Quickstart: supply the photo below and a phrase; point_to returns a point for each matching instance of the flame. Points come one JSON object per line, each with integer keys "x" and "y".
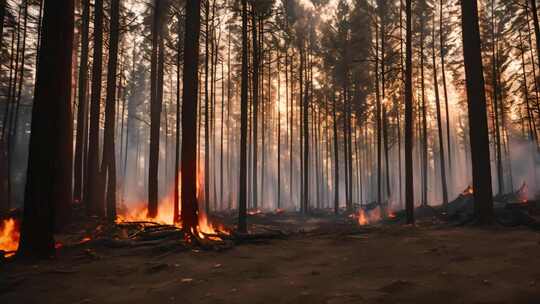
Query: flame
{"x": 205, "y": 229}
{"x": 9, "y": 236}
{"x": 362, "y": 220}
{"x": 468, "y": 191}
{"x": 368, "y": 217}
{"x": 523, "y": 193}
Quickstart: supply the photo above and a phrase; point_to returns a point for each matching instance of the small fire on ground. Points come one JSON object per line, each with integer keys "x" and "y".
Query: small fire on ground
{"x": 165, "y": 215}
{"x": 372, "y": 216}
{"x": 9, "y": 236}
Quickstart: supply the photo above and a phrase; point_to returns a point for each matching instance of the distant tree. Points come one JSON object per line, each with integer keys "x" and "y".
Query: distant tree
{"x": 242, "y": 196}
{"x": 409, "y": 182}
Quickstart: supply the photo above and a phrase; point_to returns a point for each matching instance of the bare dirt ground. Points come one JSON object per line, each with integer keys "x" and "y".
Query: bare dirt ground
{"x": 381, "y": 264}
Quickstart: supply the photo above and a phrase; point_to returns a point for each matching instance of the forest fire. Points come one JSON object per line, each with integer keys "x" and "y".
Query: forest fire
{"x": 368, "y": 217}
{"x": 9, "y": 236}
{"x": 165, "y": 215}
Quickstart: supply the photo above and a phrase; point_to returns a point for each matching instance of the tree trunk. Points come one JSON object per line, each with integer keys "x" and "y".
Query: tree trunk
{"x": 478, "y": 129}
{"x": 156, "y": 103}
{"x": 255, "y": 97}
{"x": 190, "y": 88}
{"x": 93, "y": 200}
{"x": 424, "y": 119}
{"x": 445, "y": 88}
{"x": 439, "y": 123}
{"x": 409, "y": 182}
{"x": 48, "y": 192}
{"x": 81, "y": 111}
{"x": 206, "y": 108}
{"x": 108, "y": 165}
{"x": 242, "y": 214}
{"x": 336, "y": 159}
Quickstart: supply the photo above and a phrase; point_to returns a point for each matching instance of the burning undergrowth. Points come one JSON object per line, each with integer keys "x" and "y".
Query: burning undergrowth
{"x": 372, "y": 214}
{"x": 9, "y": 237}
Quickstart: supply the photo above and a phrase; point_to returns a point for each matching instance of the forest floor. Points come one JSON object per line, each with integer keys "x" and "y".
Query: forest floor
{"x": 322, "y": 260}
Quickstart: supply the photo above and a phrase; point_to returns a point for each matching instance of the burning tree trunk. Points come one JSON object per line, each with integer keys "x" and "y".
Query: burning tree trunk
{"x": 478, "y": 129}
{"x": 189, "y": 117}
{"x": 206, "y": 108}
{"x": 48, "y": 188}
{"x": 156, "y": 103}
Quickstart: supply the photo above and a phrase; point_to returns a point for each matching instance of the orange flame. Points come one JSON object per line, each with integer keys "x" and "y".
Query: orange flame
{"x": 166, "y": 212}
{"x": 468, "y": 191}
{"x": 368, "y": 217}
{"x": 523, "y": 193}
{"x": 9, "y": 236}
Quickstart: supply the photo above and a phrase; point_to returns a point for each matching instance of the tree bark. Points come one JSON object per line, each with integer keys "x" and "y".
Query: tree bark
{"x": 48, "y": 192}
{"x": 409, "y": 182}
{"x": 81, "y": 111}
{"x": 439, "y": 123}
{"x": 93, "y": 200}
{"x": 108, "y": 165}
{"x": 476, "y": 101}
{"x": 190, "y": 87}
{"x": 242, "y": 212}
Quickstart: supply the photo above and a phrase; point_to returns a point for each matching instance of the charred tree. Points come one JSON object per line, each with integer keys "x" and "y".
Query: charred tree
{"x": 156, "y": 104}
{"x": 108, "y": 164}
{"x": 190, "y": 89}
{"x": 476, "y": 102}
{"x": 48, "y": 192}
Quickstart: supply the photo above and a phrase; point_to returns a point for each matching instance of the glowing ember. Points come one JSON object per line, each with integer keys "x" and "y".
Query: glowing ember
{"x": 85, "y": 240}
{"x": 9, "y": 236}
{"x": 468, "y": 191}
{"x": 523, "y": 193}
{"x": 254, "y": 212}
